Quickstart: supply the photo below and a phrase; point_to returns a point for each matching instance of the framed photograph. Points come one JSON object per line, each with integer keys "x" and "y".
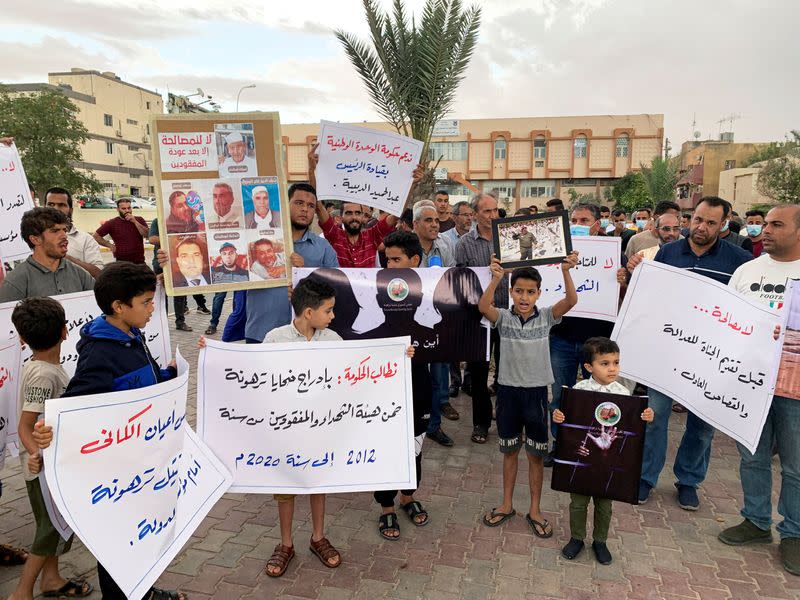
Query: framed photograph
{"x": 532, "y": 240}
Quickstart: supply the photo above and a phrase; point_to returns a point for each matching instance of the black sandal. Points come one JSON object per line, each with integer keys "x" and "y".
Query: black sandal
{"x": 414, "y": 509}
{"x": 388, "y": 522}
{"x": 479, "y": 435}
{"x": 159, "y": 594}
{"x": 74, "y": 588}
{"x": 11, "y": 556}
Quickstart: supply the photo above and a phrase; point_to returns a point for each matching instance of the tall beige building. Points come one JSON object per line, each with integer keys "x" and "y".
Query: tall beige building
{"x": 525, "y": 160}
{"x": 116, "y": 114}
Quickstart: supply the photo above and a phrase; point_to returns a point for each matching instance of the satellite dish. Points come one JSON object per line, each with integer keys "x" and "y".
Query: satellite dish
{"x": 200, "y": 91}
{"x": 697, "y": 135}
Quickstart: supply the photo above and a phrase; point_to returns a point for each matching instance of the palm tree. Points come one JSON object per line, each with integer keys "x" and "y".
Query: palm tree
{"x": 661, "y": 177}
{"x": 412, "y": 71}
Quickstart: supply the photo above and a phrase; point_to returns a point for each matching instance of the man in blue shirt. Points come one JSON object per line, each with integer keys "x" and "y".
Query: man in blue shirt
{"x": 704, "y": 253}
{"x": 270, "y": 308}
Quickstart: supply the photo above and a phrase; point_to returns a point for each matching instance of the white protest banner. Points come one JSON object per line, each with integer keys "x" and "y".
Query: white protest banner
{"x": 15, "y": 199}
{"x": 788, "y": 382}
{"x": 131, "y": 478}
{"x": 595, "y": 278}
{"x": 80, "y": 308}
{"x": 702, "y": 344}
{"x": 187, "y": 152}
{"x": 306, "y": 418}
{"x": 369, "y": 166}
{"x": 56, "y": 518}
{"x": 10, "y": 361}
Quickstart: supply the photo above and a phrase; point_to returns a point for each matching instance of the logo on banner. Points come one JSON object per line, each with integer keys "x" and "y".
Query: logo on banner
{"x": 607, "y": 414}
{"x": 397, "y": 289}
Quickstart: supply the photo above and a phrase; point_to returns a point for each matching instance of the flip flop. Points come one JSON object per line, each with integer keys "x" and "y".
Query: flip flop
{"x": 487, "y": 519}
{"x": 536, "y": 525}
{"x": 74, "y": 588}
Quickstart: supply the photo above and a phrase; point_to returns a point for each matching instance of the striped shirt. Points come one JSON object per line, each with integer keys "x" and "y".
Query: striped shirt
{"x": 525, "y": 347}
{"x": 717, "y": 263}
{"x": 472, "y": 250}
{"x": 360, "y": 255}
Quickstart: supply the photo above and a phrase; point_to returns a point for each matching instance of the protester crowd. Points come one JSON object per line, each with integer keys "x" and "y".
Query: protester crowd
{"x": 535, "y": 350}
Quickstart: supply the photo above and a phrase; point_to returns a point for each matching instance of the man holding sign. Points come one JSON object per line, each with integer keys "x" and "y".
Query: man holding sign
{"x": 705, "y": 254}
{"x": 766, "y": 279}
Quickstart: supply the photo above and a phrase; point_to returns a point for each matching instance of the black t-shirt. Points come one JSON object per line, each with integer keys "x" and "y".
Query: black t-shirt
{"x": 445, "y": 225}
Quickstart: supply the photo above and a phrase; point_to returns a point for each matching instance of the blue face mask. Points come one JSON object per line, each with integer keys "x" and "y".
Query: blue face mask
{"x": 754, "y": 230}
{"x": 725, "y": 227}
{"x": 604, "y": 223}
{"x": 641, "y": 223}
{"x": 578, "y": 230}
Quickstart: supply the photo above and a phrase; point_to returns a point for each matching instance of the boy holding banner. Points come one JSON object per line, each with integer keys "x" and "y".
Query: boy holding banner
{"x": 41, "y": 323}
{"x": 113, "y": 356}
{"x": 524, "y": 374}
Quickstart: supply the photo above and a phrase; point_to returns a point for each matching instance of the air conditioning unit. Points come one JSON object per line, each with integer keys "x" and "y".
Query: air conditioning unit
{"x": 119, "y": 133}
{"x": 120, "y": 162}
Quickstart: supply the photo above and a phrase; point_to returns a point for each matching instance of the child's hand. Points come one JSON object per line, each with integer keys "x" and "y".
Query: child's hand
{"x": 776, "y": 333}
{"x": 410, "y": 351}
{"x": 42, "y": 434}
{"x": 558, "y": 416}
{"x": 497, "y": 269}
{"x": 201, "y": 342}
{"x": 34, "y": 463}
{"x": 648, "y": 415}
{"x": 570, "y": 261}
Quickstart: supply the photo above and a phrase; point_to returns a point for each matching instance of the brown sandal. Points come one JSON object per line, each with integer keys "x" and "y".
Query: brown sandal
{"x": 11, "y": 556}
{"x": 325, "y": 551}
{"x": 280, "y": 558}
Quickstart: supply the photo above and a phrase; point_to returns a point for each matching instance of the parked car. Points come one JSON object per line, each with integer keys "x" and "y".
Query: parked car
{"x": 98, "y": 202}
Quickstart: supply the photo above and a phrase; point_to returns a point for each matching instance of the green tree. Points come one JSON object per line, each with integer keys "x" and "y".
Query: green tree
{"x": 660, "y": 178}
{"x": 630, "y": 192}
{"x": 48, "y": 134}
{"x": 775, "y": 149}
{"x": 779, "y": 179}
{"x": 412, "y": 69}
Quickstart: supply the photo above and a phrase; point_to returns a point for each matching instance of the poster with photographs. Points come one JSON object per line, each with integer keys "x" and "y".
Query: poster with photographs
{"x": 788, "y": 383}
{"x": 600, "y": 444}
{"x": 527, "y": 241}
{"x": 224, "y": 212}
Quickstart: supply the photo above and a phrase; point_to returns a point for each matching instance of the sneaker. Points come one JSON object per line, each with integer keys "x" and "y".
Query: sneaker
{"x": 745, "y": 532}
{"x": 182, "y": 327}
{"x": 790, "y": 554}
{"x": 441, "y": 437}
{"x": 204, "y": 310}
{"x": 211, "y": 330}
{"x": 572, "y": 549}
{"x": 644, "y": 491}
{"x": 448, "y": 412}
{"x": 601, "y": 553}
{"x": 550, "y": 460}
{"x": 687, "y": 497}
{"x": 453, "y": 392}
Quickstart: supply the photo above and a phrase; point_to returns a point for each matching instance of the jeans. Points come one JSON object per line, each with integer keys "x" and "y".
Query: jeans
{"x": 456, "y": 378}
{"x": 694, "y": 452}
{"x": 216, "y": 307}
{"x": 565, "y": 358}
{"x": 440, "y": 382}
{"x": 755, "y": 470}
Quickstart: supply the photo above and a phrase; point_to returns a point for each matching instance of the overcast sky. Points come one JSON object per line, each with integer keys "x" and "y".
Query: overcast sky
{"x": 708, "y": 58}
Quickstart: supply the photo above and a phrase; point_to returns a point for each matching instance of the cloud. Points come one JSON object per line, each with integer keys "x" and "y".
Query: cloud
{"x": 31, "y": 62}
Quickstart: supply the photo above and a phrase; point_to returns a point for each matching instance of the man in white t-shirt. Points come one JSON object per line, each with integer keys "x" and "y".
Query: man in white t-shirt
{"x": 766, "y": 279}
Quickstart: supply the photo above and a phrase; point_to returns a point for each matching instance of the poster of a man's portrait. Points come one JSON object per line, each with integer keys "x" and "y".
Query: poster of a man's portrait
{"x": 531, "y": 240}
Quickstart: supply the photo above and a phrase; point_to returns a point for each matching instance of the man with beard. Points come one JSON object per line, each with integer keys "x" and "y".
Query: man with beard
{"x": 526, "y": 242}
{"x": 228, "y": 270}
{"x": 225, "y": 215}
{"x": 81, "y": 249}
{"x": 265, "y": 262}
{"x": 705, "y": 254}
{"x": 181, "y": 216}
{"x": 127, "y": 234}
{"x": 46, "y": 272}
{"x": 269, "y": 308}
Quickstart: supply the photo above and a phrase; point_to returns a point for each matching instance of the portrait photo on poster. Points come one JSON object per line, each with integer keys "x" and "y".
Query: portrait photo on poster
{"x": 184, "y": 205}
{"x": 600, "y": 444}
{"x": 227, "y": 257}
{"x": 531, "y": 240}
{"x": 222, "y": 205}
{"x": 267, "y": 254}
{"x": 236, "y": 149}
{"x": 261, "y": 200}
{"x": 189, "y": 260}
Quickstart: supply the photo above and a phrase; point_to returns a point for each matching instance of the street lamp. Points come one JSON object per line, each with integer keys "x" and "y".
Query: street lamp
{"x": 252, "y": 85}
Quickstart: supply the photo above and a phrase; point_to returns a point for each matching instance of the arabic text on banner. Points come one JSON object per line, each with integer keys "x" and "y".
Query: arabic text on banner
{"x": 437, "y": 307}
{"x": 131, "y": 478}
{"x": 10, "y": 362}
{"x": 368, "y": 166}
{"x": 702, "y": 344}
{"x": 595, "y": 279}
{"x": 15, "y": 199}
{"x": 187, "y": 152}
{"x": 309, "y": 417}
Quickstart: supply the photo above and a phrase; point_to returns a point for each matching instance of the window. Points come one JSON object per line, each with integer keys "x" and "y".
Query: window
{"x": 447, "y": 150}
{"x": 503, "y": 189}
{"x": 730, "y": 164}
{"x": 131, "y": 122}
{"x": 108, "y": 120}
{"x": 580, "y": 146}
{"x": 135, "y": 176}
{"x": 108, "y": 186}
{"x": 152, "y": 189}
{"x": 541, "y": 188}
{"x": 500, "y": 149}
{"x": 538, "y": 163}
{"x": 147, "y": 128}
{"x": 109, "y": 148}
{"x": 133, "y": 148}
{"x": 622, "y": 146}
{"x": 540, "y": 148}
{"x": 147, "y": 105}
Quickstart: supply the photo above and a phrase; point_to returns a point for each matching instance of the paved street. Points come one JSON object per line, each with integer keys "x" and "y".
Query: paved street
{"x": 660, "y": 551}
